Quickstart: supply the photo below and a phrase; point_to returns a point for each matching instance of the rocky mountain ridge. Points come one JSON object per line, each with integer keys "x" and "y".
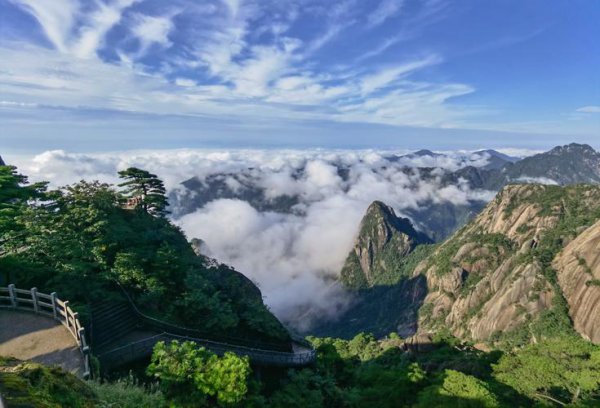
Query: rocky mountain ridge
{"x": 500, "y": 276}
{"x": 526, "y": 266}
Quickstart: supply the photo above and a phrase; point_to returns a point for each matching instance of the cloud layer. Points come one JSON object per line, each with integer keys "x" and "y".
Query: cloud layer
{"x": 294, "y": 256}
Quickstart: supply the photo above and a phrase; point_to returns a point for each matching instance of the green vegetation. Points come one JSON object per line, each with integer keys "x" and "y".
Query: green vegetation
{"x": 442, "y": 259}
{"x": 387, "y": 250}
{"x": 575, "y": 207}
{"x": 127, "y": 392}
{"x": 193, "y": 376}
{"x": 26, "y": 384}
{"x": 80, "y": 239}
{"x": 564, "y": 370}
{"x": 399, "y": 267}
{"x": 455, "y": 389}
{"x": 361, "y": 372}
{"x": 145, "y": 190}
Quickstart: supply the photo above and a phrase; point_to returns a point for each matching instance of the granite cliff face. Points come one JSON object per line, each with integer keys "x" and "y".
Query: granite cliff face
{"x": 382, "y": 242}
{"x": 578, "y": 271}
{"x": 495, "y": 276}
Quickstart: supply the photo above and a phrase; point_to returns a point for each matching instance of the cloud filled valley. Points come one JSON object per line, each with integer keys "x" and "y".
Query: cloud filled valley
{"x": 288, "y": 218}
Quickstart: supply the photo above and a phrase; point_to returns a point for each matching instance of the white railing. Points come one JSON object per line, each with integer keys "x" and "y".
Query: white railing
{"x": 50, "y": 306}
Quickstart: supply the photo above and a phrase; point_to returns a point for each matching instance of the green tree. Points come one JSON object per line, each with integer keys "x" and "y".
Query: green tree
{"x": 561, "y": 370}
{"x": 15, "y": 196}
{"x": 15, "y": 193}
{"x": 455, "y": 389}
{"x": 147, "y": 189}
{"x": 192, "y": 375}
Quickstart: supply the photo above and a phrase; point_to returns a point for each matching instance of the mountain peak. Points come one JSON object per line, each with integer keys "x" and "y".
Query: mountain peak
{"x": 424, "y": 152}
{"x": 383, "y": 240}
{"x": 378, "y": 207}
{"x": 569, "y": 164}
{"x": 2, "y": 162}
{"x": 571, "y": 148}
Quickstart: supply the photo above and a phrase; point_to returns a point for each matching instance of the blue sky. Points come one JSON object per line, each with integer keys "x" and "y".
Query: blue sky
{"x": 88, "y": 75}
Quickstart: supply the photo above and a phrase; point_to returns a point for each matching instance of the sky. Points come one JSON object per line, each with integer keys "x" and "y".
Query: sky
{"x": 104, "y": 75}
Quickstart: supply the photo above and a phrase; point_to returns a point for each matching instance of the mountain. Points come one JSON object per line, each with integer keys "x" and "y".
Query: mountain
{"x": 578, "y": 272}
{"x": 503, "y": 278}
{"x": 423, "y": 152}
{"x": 526, "y": 268}
{"x": 569, "y": 164}
{"x": 563, "y": 165}
{"x": 496, "y": 160}
{"x": 2, "y": 162}
{"x": 385, "y": 298}
{"x": 383, "y": 241}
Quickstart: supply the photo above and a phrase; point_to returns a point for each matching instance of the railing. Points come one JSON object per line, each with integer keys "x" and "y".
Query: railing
{"x": 166, "y": 327}
{"x": 51, "y": 306}
{"x": 144, "y": 347}
{"x": 264, "y": 356}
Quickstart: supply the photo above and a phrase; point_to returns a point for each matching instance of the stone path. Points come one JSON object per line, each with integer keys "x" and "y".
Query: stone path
{"x": 27, "y": 336}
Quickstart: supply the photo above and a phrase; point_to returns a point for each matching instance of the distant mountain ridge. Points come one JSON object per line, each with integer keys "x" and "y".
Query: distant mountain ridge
{"x": 569, "y": 164}
{"x": 563, "y": 165}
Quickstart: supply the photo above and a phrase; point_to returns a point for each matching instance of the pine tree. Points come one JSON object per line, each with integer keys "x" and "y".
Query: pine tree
{"x": 145, "y": 190}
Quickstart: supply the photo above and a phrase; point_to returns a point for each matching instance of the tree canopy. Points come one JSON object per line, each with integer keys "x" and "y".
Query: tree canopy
{"x": 144, "y": 190}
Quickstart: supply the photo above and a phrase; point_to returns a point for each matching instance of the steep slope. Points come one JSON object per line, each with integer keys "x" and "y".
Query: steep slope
{"x": 377, "y": 269}
{"x": 382, "y": 242}
{"x": 493, "y": 280}
{"x": 2, "y": 162}
{"x": 578, "y": 271}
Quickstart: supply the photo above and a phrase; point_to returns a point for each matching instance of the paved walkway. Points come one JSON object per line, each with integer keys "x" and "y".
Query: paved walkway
{"x": 27, "y": 336}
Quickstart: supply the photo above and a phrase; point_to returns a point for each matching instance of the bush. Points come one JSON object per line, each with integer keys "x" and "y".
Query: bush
{"x": 455, "y": 389}
{"x": 127, "y": 393}
{"x": 192, "y": 375}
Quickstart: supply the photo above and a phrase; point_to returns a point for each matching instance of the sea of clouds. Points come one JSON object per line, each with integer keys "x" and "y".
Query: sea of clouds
{"x": 294, "y": 257}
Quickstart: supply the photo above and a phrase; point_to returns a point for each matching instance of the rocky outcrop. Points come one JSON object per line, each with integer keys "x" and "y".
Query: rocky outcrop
{"x": 383, "y": 240}
{"x": 490, "y": 277}
{"x": 578, "y": 272}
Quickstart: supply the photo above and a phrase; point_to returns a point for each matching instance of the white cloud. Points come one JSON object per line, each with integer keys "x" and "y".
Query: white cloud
{"x": 537, "y": 180}
{"x": 294, "y": 257}
{"x": 385, "y": 10}
{"x": 385, "y": 77}
{"x": 56, "y": 17}
{"x": 98, "y": 23}
{"x": 589, "y": 109}
{"x": 265, "y": 87}
{"x": 152, "y": 30}
{"x": 220, "y": 70}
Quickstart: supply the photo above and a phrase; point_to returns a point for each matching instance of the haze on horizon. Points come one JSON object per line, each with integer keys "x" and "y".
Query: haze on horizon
{"x": 114, "y": 75}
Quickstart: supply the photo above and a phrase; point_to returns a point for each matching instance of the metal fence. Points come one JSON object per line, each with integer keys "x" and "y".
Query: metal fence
{"x": 51, "y": 306}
